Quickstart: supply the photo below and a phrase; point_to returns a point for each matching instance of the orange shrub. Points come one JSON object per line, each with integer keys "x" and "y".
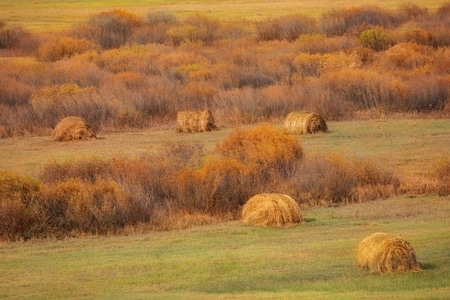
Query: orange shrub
{"x": 18, "y": 198}
{"x": 263, "y": 149}
{"x": 67, "y": 71}
{"x": 408, "y": 56}
{"x": 133, "y": 58}
{"x": 64, "y": 47}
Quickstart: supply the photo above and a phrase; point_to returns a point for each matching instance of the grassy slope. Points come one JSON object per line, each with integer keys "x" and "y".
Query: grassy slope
{"x": 230, "y": 260}
{"x": 411, "y": 146}
{"x": 45, "y": 15}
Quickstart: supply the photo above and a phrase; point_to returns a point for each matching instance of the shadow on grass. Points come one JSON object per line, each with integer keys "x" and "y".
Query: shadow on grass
{"x": 310, "y": 220}
{"x": 427, "y": 266}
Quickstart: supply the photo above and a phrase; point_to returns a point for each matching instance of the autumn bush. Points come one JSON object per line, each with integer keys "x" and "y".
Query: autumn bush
{"x": 110, "y": 29}
{"x": 285, "y": 28}
{"x": 11, "y": 36}
{"x": 64, "y": 47}
{"x": 19, "y": 218}
{"x": 335, "y": 179}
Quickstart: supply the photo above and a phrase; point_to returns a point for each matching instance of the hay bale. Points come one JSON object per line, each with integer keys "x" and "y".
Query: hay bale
{"x": 274, "y": 210}
{"x": 72, "y": 128}
{"x": 195, "y": 121}
{"x": 304, "y": 122}
{"x": 382, "y": 253}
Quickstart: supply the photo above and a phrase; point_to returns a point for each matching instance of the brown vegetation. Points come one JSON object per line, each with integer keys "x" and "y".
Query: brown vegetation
{"x": 141, "y": 71}
{"x": 72, "y": 129}
{"x": 276, "y": 210}
{"x": 382, "y": 253}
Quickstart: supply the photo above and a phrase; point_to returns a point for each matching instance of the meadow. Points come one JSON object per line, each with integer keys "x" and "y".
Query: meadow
{"x": 314, "y": 259}
{"x": 146, "y": 212}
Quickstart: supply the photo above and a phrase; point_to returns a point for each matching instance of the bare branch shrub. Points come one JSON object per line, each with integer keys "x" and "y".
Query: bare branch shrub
{"x": 110, "y": 29}
{"x": 285, "y": 28}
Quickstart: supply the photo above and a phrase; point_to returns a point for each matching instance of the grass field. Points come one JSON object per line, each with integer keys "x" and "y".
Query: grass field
{"x": 314, "y": 260}
{"x": 412, "y": 146}
{"x": 44, "y": 15}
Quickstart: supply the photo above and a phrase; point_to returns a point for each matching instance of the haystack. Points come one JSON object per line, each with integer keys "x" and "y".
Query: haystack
{"x": 72, "y": 128}
{"x": 195, "y": 121}
{"x": 274, "y": 210}
{"x": 304, "y": 122}
{"x": 382, "y": 253}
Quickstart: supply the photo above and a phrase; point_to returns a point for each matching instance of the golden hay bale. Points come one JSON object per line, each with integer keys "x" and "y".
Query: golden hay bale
{"x": 195, "y": 121}
{"x": 382, "y": 253}
{"x": 304, "y": 122}
{"x": 274, "y": 210}
{"x": 72, "y": 128}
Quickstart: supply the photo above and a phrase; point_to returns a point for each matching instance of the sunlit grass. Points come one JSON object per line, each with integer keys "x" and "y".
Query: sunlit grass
{"x": 58, "y": 15}
{"x": 314, "y": 259}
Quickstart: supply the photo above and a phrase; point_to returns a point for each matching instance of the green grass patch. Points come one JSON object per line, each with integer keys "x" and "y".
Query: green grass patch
{"x": 312, "y": 260}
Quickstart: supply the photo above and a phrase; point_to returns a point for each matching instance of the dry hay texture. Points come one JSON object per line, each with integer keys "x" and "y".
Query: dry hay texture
{"x": 275, "y": 210}
{"x": 195, "y": 121}
{"x": 384, "y": 253}
{"x": 302, "y": 122}
{"x": 72, "y": 128}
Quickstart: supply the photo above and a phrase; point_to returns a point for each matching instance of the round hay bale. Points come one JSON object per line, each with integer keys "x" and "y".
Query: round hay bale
{"x": 382, "y": 253}
{"x": 195, "y": 121}
{"x": 72, "y": 128}
{"x": 302, "y": 122}
{"x": 274, "y": 210}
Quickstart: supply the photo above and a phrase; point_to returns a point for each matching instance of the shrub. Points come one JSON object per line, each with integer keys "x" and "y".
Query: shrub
{"x": 408, "y": 56}
{"x": 337, "y": 22}
{"x": 14, "y": 93}
{"x": 374, "y": 39}
{"x": 11, "y": 37}
{"x": 134, "y": 58}
{"x": 198, "y": 28}
{"x": 332, "y": 178}
{"x": 67, "y": 71}
{"x": 111, "y": 29}
{"x": 19, "y": 218}
{"x": 158, "y": 17}
{"x": 64, "y": 47}
{"x": 285, "y": 28}
{"x": 264, "y": 149}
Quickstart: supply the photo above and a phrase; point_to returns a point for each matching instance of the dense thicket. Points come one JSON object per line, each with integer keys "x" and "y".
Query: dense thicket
{"x": 121, "y": 71}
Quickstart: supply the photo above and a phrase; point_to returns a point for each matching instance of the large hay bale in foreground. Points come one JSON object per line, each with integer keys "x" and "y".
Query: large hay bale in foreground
{"x": 274, "y": 210}
{"x": 195, "y": 121}
{"x": 382, "y": 253}
{"x": 304, "y": 122}
{"x": 73, "y": 128}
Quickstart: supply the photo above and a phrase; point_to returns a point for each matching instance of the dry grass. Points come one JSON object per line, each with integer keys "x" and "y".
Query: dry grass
{"x": 383, "y": 253}
{"x": 275, "y": 210}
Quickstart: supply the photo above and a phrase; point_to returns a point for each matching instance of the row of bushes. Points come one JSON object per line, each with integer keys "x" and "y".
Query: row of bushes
{"x": 119, "y": 71}
{"x": 156, "y": 191}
